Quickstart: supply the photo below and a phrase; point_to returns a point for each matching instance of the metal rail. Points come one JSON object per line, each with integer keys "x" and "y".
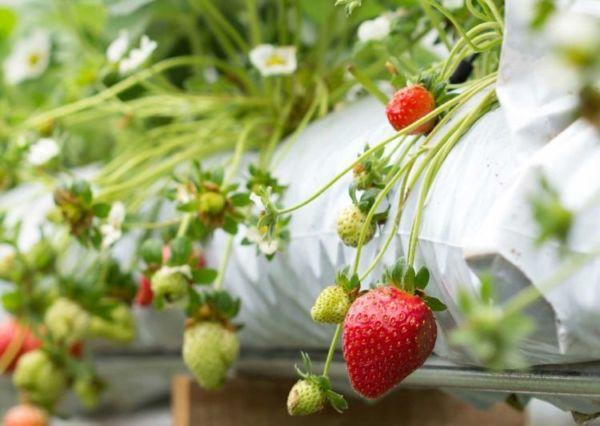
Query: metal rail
{"x": 582, "y": 380}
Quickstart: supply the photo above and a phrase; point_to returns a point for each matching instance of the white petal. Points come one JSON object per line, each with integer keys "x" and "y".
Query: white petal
{"x": 269, "y": 247}
{"x": 137, "y": 56}
{"x": 110, "y": 235}
{"x": 375, "y": 29}
{"x": 183, "y": 194}
{"x": 211, "y": 75}
{"x": 117, "y": 214}
{"x": 117, "y": 49}
{"x": 255, "y": 198}
{"x": 253, "y": 235}
{"x": 29, "y": 58}
{"x": 42, "y": 151}
{"x": 574, "y": 30}
{"x": 182, "y": 269}
{"x": 271, "y": 60}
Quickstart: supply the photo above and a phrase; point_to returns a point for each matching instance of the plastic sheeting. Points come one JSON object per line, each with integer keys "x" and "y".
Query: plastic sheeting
{"x": 477, "y": 218}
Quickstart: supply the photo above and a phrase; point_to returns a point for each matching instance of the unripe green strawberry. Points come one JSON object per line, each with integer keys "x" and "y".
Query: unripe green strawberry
{"x": 349, "y": 225}
{"x": 209, "y": 349}
{"x": 41, "y": 255}
{"x": 305, "y": 397}
{"x": 171, "y": 283}
{"x": 361, "y": 177}
{"x": 66, "y": 321}
{"x": 331, "y": 306}
{"x": 88, "y": 391}
{"x": 211, "y": 203}
{"x": 120, "y": 327}
{"x": 230, "y": 346}
{"x": 12, "y": 268}
{"x": 41, "y": 381}
{"x": 7, "y": 265}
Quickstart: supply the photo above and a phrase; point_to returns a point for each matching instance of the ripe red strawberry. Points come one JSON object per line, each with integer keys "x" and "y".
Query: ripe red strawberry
{"x": 144, "y": 295}
{"x": 12, "y": 331}
{"x": 409, "y": 105}
{"x": 76, "y": 350}
{"x": 388, "y": 334}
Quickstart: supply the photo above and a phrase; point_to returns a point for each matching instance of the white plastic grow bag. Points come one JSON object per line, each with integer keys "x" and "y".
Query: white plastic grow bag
{"x": 477, "y": 217}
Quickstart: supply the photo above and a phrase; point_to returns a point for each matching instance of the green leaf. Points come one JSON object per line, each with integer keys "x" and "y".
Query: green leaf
{"x": 82, "y": 189}
{"x": 204, "y": 276}
{"x": 8, "y": 21}
{"x": 158, "y": 303}
{"x": 337, "y": 401}
{"x": 101, "y": 210}
{"x": 217, "y": 175}
{"x": 422, "y": 278}
{"x": 487, "y": 289}
{"x": 193, "y": 302}
{"x": 181, "y": 249}
{"x": 230, "y": 226}
{"x": 151, "y": 251}
{"x": 240, "y": 200}
{"x": 190, "y": 207}
{"x": 354, "y": 282}
{"x": 434, "y": 304}
{"x": 12, "y": 301}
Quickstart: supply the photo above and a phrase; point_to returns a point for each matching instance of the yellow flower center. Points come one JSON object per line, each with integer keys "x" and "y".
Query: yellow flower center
{"x": 33, "y": 59}
{"x": 275, "y": 60}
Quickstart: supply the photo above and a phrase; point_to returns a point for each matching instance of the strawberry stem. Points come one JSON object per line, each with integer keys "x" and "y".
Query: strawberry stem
{"x": 332, "y": 348}
{"x": 458, "y": 100}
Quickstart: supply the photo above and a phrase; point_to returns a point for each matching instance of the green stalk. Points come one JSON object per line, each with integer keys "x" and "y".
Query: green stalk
{"x": 402, "y": 197}
{"x": 454, "y": 101}
{"x": 224, "y": 262}
{"x": 435, "y": 22}
{"x": 368, "y": 84}
{"x": 240, "y": 147}
{"x": 185, "y": 224}
{"x": 456, "y": 24}
{"x": 445, "y": 146}
{"x": 380, "y": 197}
{"x": 255, "y": 36}
{"x": 332, "y": 348}
{"x": 127, "y": 83}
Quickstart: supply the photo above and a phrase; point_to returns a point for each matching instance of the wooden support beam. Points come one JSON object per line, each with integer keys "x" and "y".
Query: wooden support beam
{"x": 261, "y": 402}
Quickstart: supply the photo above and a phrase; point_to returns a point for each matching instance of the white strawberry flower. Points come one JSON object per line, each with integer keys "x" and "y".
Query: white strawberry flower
{"x": 119, "y": 46}
{"x": 42, "y": 151}
{"x": 29, "y": 58}
{"x": 264, "y": 244}
{"x": 185, "y": 270}
{"x": 375, "y": 29}
{"x": 112, "y": 230}
{"x": 255, "y": 198}
{"x": 274, "y": 60}
{"x": 184, "y": 195}
{"x": 138, "y": 56}
{"x": 211, "y": 75}
{"x": 575, "y": 32}
{"x": 269, "y": 247}
{"x": 120, "y": 53}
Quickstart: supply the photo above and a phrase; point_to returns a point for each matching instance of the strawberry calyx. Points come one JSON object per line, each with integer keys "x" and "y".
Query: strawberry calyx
{"x": 408, "y": 279}
{"x": 213, "y": 306}
{"x": 350, "y": 283}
